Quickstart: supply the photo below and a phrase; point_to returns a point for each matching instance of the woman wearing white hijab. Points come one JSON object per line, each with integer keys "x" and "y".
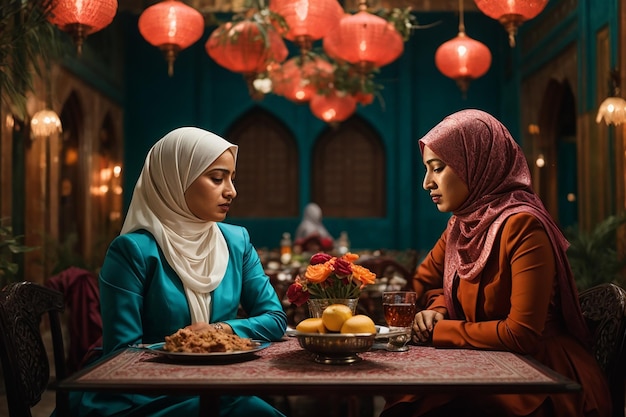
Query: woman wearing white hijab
{"x": 311, "y": 233}
{"x": 175, "y": 265}
{"x": 311, "y": 224}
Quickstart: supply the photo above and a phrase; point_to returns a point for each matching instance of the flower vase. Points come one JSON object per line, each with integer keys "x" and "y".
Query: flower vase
{"x": 317, "y": 305}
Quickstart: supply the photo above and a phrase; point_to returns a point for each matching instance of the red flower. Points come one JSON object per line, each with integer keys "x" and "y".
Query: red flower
{"x": 320, "y": 258}
{"x": 296, "y": 294}
{"x": 329, "y": 277}
{"x": 343, "y": 267}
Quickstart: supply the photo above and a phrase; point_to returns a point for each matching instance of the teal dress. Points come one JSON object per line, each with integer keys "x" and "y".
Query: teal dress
{"x": 143, "y": 300}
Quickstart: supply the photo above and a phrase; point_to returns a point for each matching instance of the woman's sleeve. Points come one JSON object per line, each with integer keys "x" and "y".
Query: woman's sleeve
{"x": 526, "y": 247}
{"x": 121, "y": 294}
{"x": 266, "y": 319}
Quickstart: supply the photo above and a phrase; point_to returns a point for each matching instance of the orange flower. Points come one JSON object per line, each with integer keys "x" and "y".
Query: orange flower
{"x": 330, "y": 277}
{"x": 350, "y": 257}
{"x": 363, "y": 274}
{"x": 316, "y": 274}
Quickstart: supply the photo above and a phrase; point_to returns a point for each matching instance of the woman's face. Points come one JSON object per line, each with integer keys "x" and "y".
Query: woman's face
{"x": 210, "y": 195}
{"x": 447, "y": 190}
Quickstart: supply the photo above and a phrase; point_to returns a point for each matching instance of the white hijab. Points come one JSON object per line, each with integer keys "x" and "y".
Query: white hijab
{"x": 311, "y": 223}
{"x": 194, "y": 248}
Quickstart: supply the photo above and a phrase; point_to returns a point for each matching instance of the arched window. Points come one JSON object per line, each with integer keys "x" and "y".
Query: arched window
{"x": 556, "y": 181}
{"x": 267, "y": 167}
{"x": 72, "y": 180}
{"x": 348, "y": 178}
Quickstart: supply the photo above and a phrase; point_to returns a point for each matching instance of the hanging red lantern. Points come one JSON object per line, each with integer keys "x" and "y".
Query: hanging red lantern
{"x": 333, "y": 107}
{"x": 308, "y": 20}
{"x": 240, "y": 47}
{"x": 302, "y": 77}
{"x": 82, "y": 18}
{"x": 463, "y": 59}
{"x": 171, "y": 26}
{"x": 511, "y": 13}
{"x": 364, "y": 99}
{"x": 365, "y": 40}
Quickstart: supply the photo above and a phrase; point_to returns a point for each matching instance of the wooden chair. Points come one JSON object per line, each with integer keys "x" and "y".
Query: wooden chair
{"x": 604, "y": 308}
{"x": 23, "y": 353}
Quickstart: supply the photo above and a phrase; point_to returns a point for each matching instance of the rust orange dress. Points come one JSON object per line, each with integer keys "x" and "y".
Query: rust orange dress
{"x": 512, "y": 306}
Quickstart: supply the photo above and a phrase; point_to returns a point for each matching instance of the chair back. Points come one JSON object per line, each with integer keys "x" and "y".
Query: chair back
{"x": 604, "y": 309}
{"x": 23, "y": 353}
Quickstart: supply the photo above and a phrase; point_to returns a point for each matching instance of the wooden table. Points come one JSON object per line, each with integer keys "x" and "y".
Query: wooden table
{"x": 284, "y": 368}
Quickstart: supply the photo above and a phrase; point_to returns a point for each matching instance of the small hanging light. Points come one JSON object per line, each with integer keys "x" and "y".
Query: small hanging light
{"x": 80, "y": 18}
{"x": 463, "y": 59}
{"x": 613, "y": 109}
{"x": 171, "y": 26}
{"x": 333, "y": 107}
{"x": 365, "y": 40}
{"x": 308, "y": 20}
{"x": 511, "y": 13}
{"x": 45, "y": 123}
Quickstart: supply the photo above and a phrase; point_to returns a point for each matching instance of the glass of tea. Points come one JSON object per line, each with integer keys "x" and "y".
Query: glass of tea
{"x": 399, "y": 308}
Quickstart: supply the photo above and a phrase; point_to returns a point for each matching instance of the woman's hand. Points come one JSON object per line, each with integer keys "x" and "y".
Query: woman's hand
{"x": 200, "y": 326}
{"x": 423, "y": 325}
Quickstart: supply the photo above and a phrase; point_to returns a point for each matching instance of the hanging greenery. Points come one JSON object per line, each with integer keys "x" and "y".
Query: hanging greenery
{"x": 346, "y": 77}
{"x": 28, "y": 42}
{"x": 402, "y": 20}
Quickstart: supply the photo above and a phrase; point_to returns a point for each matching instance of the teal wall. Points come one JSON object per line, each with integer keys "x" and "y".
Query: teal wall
{"x": 416, "y": 96}
{"x": 121, "y": 64}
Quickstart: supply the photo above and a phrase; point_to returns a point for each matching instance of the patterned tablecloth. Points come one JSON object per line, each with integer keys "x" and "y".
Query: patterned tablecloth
{"x": 286, "y": 365}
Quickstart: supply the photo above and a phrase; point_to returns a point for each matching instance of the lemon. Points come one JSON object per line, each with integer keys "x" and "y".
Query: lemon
{"x": 312, "y": 325}
{"x": 358, "y": 324}
{"x": 335, "y": 315}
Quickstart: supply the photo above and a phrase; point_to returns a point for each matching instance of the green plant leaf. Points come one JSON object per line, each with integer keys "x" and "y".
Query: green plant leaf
{"x": 593, "y": 255}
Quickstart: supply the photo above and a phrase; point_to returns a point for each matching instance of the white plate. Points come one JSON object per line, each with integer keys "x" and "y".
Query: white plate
{"x": 209, "y": 356}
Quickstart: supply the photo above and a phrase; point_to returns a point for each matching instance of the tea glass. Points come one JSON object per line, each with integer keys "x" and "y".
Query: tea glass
{"x": 399, "y": 308}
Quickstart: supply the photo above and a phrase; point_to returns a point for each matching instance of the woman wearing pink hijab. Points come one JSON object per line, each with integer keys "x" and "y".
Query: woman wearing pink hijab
{"x": 498, "y": 277}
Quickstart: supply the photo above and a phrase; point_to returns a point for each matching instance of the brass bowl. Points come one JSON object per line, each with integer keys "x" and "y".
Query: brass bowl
{"x": 336, "y": 348}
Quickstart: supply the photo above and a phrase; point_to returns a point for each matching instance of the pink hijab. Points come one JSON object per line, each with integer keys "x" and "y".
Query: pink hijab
{"x": 482, "y": 152}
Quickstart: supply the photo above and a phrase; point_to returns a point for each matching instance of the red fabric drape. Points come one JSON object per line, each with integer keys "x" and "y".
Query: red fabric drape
{"x": 82, "y": 297}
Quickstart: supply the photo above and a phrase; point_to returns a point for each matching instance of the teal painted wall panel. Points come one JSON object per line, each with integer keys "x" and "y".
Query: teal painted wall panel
{"x": 416, "y": 96}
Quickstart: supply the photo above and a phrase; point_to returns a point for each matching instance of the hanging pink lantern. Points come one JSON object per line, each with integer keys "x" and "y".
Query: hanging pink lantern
{"x": 463, "y": 59}
{"x": 364, "y": 99}
{"x": 301, "y": 78}
{"x": 333, "y": 107}
{"x": 511, "y": 13}
{"x": 81, "y": 18}
{"x": 240, "y": 47}
{"x": 365, "y": 40}
{"x": 308, "y": 20}
{"x": 171, "y": 26}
